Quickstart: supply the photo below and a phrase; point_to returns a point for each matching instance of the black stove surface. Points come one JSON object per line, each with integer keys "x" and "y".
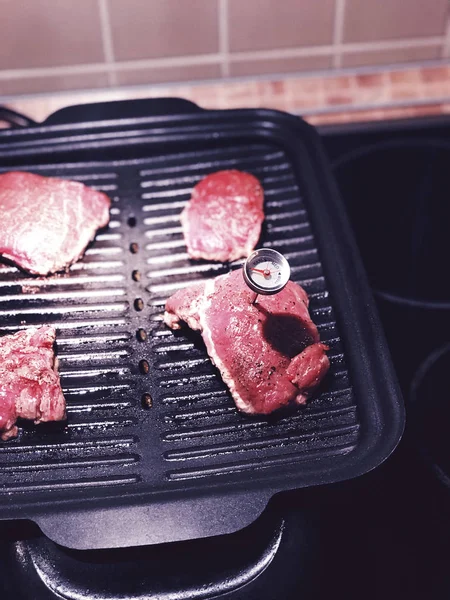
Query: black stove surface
{"x": 383, "y": 535}
{"x": 394, "y": 180}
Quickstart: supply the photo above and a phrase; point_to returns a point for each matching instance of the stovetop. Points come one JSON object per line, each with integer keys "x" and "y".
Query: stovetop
{"x": 394, "y": 180}
{"x": 385, "y": 534}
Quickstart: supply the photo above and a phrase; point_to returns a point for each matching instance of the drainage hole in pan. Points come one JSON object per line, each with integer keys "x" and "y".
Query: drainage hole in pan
{"x": 144, "y": 367}
{"x": 134, "y": 248}
{"x": 138, "y": 304}
{"x": 147, "y": 400}
{"x": 136, "y": 275}
{"x": 141, "y": 335}
{"x": 132, "y": 221}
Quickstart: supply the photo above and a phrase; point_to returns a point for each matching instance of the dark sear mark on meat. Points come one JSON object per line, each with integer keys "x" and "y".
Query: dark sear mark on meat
{"x": 286, "y": 333}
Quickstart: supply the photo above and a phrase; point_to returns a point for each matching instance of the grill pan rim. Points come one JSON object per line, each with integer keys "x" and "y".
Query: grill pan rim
{"x": 371, "y": 449}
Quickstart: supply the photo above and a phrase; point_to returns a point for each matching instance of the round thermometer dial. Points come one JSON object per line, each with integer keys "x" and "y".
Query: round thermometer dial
{"x": 266, "y": 271}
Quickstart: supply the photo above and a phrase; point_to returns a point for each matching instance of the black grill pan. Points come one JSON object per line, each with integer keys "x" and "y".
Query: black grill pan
{"x": 154, "y": 449}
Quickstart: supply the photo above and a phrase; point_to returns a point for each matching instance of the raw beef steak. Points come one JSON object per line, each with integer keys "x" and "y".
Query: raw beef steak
{"x": 46, "y": 223}
{"x": 268, "y": 353}
{"x": 223, "y": 218}
{"x": 29, "y": 380}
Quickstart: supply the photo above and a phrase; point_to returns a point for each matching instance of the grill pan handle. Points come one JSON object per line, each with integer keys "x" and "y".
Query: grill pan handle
{"x": 122, "y": 109}
{"x": 14, "y": 118}
{"x": 145, "y": 524}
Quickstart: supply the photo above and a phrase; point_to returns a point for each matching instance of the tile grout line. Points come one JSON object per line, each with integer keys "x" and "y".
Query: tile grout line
{"x": 107, "y": 42}
{"x": 338, "y": 33}
{"x": 421, "y": 42}
{"x": 104, "y": 66}
{"x": 222, "y": 15}
{"x": 446, "y": 44}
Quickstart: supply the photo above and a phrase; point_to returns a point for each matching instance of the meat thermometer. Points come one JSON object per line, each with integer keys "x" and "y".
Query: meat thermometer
{"x": 266, "y": 272}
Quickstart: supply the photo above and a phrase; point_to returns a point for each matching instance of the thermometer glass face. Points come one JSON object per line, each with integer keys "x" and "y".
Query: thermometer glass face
{"x": 266, "y": 271}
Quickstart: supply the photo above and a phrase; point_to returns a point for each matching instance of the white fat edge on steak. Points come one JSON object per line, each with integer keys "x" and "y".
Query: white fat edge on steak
{"x": 203, "y": 307}
{"x": 172, "y": 320}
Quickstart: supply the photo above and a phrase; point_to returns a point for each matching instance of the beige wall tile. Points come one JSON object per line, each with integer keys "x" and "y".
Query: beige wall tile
{"x": 306, "y": 85}
{"x": 268, "y": 24}
{"x": 436, "y": 74}
{"x": 439, "y": 89}
{"x": 370, "y": 80}
{"x": 427, "y": 109}
{"x": 243, "y": 94}
{"x": 339, "y": 84}
{"x": 42, "y": 33}
{"x": 371, "y": 20}
{"x": 279, "y": 65}
{"x": 306, "y": 93}
{"x": 372, "y": 88}
{"x": 274, "y": 94}
{"x": 206, "y": 96}
{"x": 158, "y": 28}
{"x": 386, "y": 57}
{"x": 407, "y": 93}
{"x": 53, "y": 83}
{"x": 167, "y": 74}
{"x": 408, "y": 77}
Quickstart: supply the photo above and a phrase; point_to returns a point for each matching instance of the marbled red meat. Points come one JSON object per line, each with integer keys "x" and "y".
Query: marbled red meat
{"x": 29, "y": 382}
{"x": 269, "y": 353}
{"x": 222, "y": 221}
{"x": 46, "y": 223}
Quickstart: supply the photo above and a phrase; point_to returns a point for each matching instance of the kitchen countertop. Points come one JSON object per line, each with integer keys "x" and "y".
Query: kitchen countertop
{"x": 321, "y": 99}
